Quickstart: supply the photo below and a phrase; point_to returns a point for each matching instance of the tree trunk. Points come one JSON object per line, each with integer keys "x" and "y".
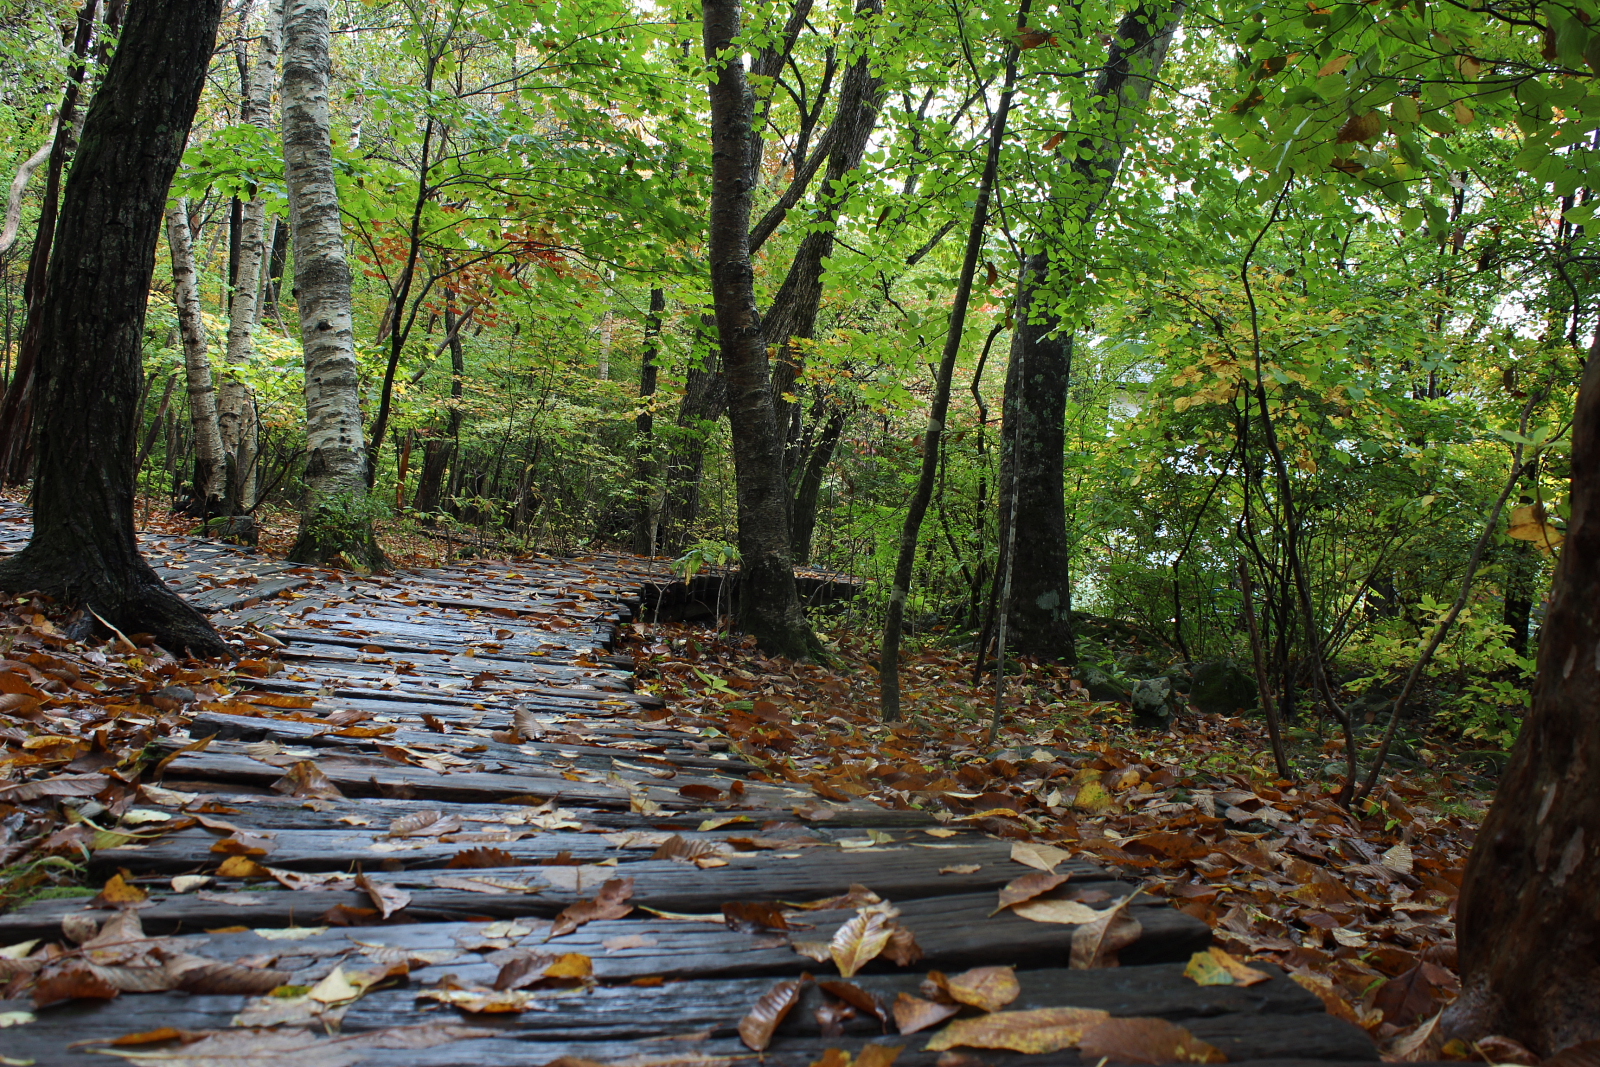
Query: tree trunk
{"x": 769, "y": 606}
{"x": 210, "y": 463}
{"x": 808, "y": 491}
{"x": 1039, "y": 620}
{"x": 644, "y": 466}
{"x": 336, "y": 521}
{"x": 939, "y": 409}
{"x": 236, "y": 409}
{"x": 1529, "y": 932}
{"x": 92, "y": 331}
{"x": 16, "y": 409}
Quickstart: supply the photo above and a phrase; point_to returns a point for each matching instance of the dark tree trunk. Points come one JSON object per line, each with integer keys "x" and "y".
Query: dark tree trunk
{"x": 276, "y": 261}
{"x": 769, "y": 605}
{"x": 92, "y": 319}
{"x": 437, "y": 453}
{"x": 16, "y": 409}
{"x": 644, "y": 466}
{"x": 803, "y": 509}
{"x": 1041, "y": 352}
{"x": 1039, "y": 622}
{"x": 1529, "y": 931}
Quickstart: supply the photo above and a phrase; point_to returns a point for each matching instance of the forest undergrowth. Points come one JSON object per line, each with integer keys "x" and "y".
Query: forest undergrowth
{"x": 1356, "y": 906}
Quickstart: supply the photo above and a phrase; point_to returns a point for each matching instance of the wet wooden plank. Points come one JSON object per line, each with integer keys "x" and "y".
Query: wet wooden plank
{"x": 1274, "y": 1019}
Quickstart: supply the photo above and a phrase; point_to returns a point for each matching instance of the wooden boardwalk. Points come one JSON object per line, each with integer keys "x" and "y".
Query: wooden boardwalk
{"x": 433, "y": 768}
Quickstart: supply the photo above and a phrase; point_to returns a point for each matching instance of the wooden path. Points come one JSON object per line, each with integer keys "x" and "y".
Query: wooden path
{"x": 432, "y": 769}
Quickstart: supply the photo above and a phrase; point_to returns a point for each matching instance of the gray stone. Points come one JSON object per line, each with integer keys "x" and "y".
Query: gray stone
{"x": 1153, "y": 703}
{"x": 1221, "y": 687}
{"x": 1101, "y": 686}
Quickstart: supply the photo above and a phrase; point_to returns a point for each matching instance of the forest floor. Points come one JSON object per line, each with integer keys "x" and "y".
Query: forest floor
{"x": 1357, "y": 907}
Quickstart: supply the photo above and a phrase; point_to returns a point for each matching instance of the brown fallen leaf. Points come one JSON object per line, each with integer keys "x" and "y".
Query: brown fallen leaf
{"x": 196, "y": 974}
{"x": 483, "y": 883}
{"x": 70, "y": 980}
{"x": 856, "y": 896}
{"x": 610, "y": 903}
{"x": 754, "y": 917}
{"x": 244, "y": 843}
{"x": 483, "y": 1001}
{"x": 626, "y": 941}
{"x": 1096, "y": 944}
{"x": 858, "y": 998}
{"x": 1040, "y": 1030}
{"x": 914, "y": 1013}
{"x": 1138, "y": 1040}
{"x": 984, "y": 988}
{"x": 678, "y": 848}
{"x": 480, "y": 858}
{"x": 902, "y": 949}
{"x": 961, "y": 868}
{"x": 387, "y": 899}
{"x": 525, "y": 967}
{"x": 305, "y": 779}
{"x": 698, "y": 791}
{"x": 756, "y": 1028}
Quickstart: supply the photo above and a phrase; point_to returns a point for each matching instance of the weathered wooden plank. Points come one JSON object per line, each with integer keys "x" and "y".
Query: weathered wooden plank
{"x": 953, "y": 931}
{"x": 1276, "y": 1018}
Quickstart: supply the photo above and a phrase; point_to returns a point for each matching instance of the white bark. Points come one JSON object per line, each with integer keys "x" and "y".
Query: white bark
{"x": 8, "y": 236}
{"x": 336, "y": 456}
{"x": 212, "y": 471}
{"x": 236, "y": 407}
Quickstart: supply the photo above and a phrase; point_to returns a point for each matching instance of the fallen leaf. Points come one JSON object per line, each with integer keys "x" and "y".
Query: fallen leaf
{"x": 617, "y": 944}
{"x": 483, "y": 883}
{"x": 1138, "y": 1040}
{"x": 526, "y": 967}
{"x": 1040, "y": 857}
{"x": 15, "y": 1018}
{"x": 1057, "y": 911}
{"x": 697, "y": 791}
{"x": 610, "y": 903}
{"x": 302, "y": 1048}
{"x": 305, "y": 779}
{"x": 483, "y": 1001}
{"x": 481, "y": 858}
{"x": 1037, "y": 1031}
{"x": 756, "y": 1028}
{"x": 117, "y": 893}
{"x": 185, "y": 883}
{"x": 196, "y": 974}
{"x": 985, "y": 988}
{"x": 424, "y": 824}
{"x": 961, "y": 868}
{"x": 754, "y": 918}
{"x": 70, "y": 980}
{"x": 856, "y": 997}
{"x": 387, "y": 899}
{"x": 1096, "y": 944}
{"x": 1027, "y": 887}
{"x": 678, "y": 848}
{"x": 1216, "y": 967}
{"x": 860, "y": 940}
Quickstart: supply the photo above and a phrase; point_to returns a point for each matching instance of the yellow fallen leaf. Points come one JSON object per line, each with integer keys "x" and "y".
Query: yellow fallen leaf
{"x": 1040, "y": 1030}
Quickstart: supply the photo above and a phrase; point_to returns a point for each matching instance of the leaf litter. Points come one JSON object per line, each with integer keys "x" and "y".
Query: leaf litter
{"x": 1348, "y": 903}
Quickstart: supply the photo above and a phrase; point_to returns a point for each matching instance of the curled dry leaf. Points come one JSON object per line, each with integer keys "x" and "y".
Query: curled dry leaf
{"x": 526, "y": 968}
{"x": 1040, "y": 1030}
{"x": 484, "y": 1001}
{"x": 756, "y": 1028}
{"x": 961, "y": 868}
{"x": 984, "y": 988}
{"x": 698, "y": 791}
{"x": 610, "y": 903}
{"x": 305, "y": 779}
{"x": 857, "y": 896}
{"x": 679, "y": 848}
{"x": 70, "y": 980}
{"x": 1096, "y": 944}
{"x": 1139, "y": 1040}
{"x": 387, "y": 899}
{"x": 856, "y": 997}
{"x": 196, "y": 974}
{"x": 914, "y": 1013}
{"x": 902, "y": 949}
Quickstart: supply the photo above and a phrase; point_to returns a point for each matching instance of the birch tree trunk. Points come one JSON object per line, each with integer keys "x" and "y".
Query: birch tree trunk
{"x": 92, "y": 319}
{"x": 236, "y": 408}
{"x": 211, "y": 472}
{"x": 336, "y": 522}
